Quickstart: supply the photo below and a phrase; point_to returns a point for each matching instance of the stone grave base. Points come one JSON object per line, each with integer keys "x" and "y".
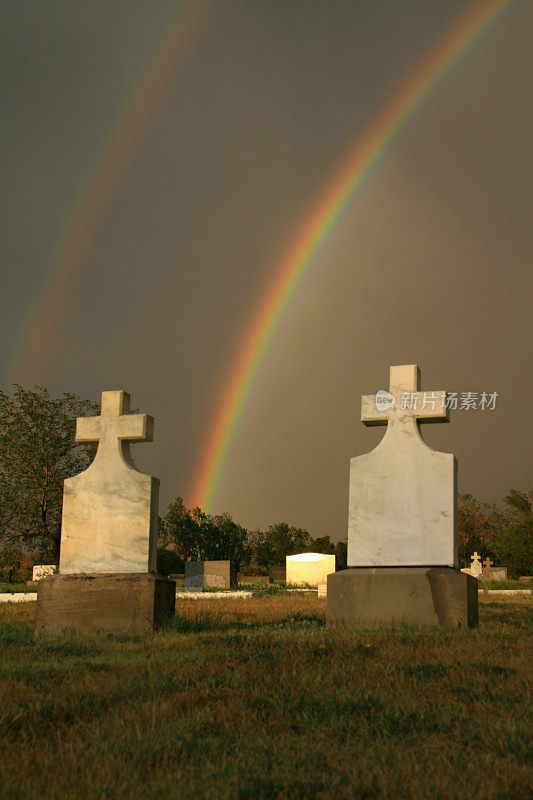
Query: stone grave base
{"x": 370, "y": 597}
{"x": 89, "y": 602}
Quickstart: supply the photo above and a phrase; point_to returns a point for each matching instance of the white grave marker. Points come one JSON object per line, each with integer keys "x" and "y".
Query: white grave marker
{"x": 43, "y": 571}
{"x": 475, "y": 567}
{"x": 402, "y": 494}
{"x": 110, "y": 510}
{"x": 310, "y": 568}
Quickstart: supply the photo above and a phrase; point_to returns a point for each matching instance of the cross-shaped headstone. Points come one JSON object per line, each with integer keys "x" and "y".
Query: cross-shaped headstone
{"x": 403, "y": 493}
{"x": 487, "y": 564}
{"x": 404, "y": 404}
{"x": 475, "y": 567}
{"x": 115, "y": 425}
{"x": 110, "y": 510}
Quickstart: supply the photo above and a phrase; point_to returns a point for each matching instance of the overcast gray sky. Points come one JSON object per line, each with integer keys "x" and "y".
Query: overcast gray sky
{"x": 430, "y": 266}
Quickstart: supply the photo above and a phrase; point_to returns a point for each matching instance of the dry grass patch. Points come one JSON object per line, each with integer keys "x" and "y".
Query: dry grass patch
{"x": 257, "y": 699}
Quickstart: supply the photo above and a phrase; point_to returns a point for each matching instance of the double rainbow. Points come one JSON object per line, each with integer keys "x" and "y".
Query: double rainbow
{"x": 298, "y": 261}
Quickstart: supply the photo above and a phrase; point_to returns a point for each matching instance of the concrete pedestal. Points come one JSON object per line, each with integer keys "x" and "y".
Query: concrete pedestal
{"x": 369, "y": 597}
{"x": 132, "y": 601}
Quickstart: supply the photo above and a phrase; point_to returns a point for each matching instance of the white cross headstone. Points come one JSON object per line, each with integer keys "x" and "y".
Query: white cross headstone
{"x": 110, "y": 510}
{"x": 403, "y": 494}
{"x": 475, "y": 567}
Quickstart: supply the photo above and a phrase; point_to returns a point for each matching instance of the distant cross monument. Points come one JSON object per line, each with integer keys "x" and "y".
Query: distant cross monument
{"x": 110, "y": 509}
{"x": 487, "y": 564}
{"x": 402, "y": 509}
{"x": 475, "y": 567}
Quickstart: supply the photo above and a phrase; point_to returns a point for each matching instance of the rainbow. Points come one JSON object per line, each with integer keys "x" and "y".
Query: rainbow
{"x": 95, "y": 192}
{"x": 323, "y": 220}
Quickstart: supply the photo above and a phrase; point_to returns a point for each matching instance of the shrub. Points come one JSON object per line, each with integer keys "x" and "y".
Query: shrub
{"x": 514, "y": 548}
{"x": 169, "y": 562}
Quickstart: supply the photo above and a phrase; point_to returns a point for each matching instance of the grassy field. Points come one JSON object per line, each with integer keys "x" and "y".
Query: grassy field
{"x": 257, "y": 699}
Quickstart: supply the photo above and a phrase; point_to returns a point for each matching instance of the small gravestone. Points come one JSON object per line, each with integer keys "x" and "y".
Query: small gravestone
{"x": 498, "y": 573}
{"x": 210, "y": 575}
{"x": 43, "y": 571}
{"x": 492, "y": 573}
{"x": 475, "y": 567}
{"x": 309, "y": 568}
{"x": 109, "y": 534}
{"x": 402, "y": 538}
{"x": 487, "y": 564}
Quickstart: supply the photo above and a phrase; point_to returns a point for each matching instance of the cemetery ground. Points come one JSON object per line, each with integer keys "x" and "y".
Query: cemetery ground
{"x": 258, "y": 699}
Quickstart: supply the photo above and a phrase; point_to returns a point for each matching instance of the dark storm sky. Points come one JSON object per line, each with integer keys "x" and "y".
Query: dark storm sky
{"x": 431, "y": 266}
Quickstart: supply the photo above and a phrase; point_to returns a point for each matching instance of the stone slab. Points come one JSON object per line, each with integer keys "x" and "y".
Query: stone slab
{"x": 213, "y": 595}
{"x": 424, "y": 596}
{"x": 498, "y": 574}
{"x": 210, "y": 575}
{"x": 43, "y": 571}
{"x": 104, "y": 602}
{"x": 18, "y": 597}
{"x": 309, "y": 568}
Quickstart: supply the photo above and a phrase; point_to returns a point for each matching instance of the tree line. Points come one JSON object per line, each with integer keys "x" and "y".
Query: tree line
{"x": 38, "y": 452}
{"x": 192, "y": 535}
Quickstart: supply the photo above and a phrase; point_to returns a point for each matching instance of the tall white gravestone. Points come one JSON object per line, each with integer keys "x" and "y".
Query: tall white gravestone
{"x": 402, "y": 536}
{"x": 110, "y": 510}
{"x": 107, "y": 571}
{"x": 402, "y": 495}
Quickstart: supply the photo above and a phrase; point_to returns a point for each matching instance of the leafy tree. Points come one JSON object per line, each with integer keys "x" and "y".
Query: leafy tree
{"x": 259, "y": 553}
{"x": 229, "y": 541}
{"x": 514, "y": 547}
{"x": 180, "y": 530}
{"x": 269, "y": 548}
{"x": 168, "y": 562}
{"x": 520, "y": 503}
{"x": 478, "y": 526}
{"x": 322, "y": 544}
{"x": 341, "y": 555}
{"x": 503, "y": 534}
{"x": 197, "y": 536}
{"x": 37, "y": 452}
{"x": 286, "y": 540}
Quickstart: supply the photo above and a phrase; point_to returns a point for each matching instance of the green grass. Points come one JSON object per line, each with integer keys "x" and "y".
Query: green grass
{"x": 505, "y": 585}
{"x": 258, "y": 699}
{"x": 16, "y": 587}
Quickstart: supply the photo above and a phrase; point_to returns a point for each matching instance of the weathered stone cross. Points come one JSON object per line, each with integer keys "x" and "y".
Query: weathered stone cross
{"x": 475, "y": 566}
{"x": 115, "y": 428}
{"x": 404, "y": 404}
{"x": 487, "y": 564}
